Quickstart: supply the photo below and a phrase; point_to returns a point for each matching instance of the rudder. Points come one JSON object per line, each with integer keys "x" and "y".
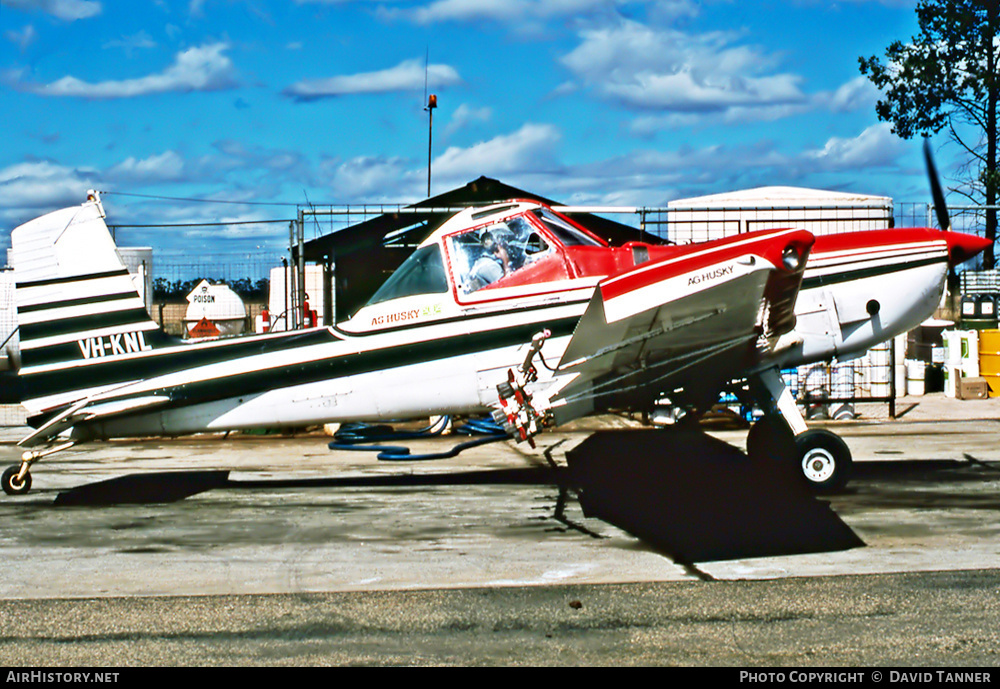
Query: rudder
{"x": 76, "y": 301}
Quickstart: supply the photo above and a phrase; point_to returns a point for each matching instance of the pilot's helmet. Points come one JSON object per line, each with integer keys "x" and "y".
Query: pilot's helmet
{"x": 501, "y": 234}
{"x": 488, "y": 241}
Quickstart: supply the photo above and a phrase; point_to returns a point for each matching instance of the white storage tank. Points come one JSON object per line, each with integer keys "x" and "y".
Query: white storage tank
{"x": 280, "y": 297}
{"x": 139, "y": 261}
{"x": 214, "y": 311}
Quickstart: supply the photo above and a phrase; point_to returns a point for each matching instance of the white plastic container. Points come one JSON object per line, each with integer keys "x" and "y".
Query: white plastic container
{"x": 916, "y": 374}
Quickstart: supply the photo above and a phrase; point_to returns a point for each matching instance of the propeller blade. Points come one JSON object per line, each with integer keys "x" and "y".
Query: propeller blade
{"x": 940, "y": 206}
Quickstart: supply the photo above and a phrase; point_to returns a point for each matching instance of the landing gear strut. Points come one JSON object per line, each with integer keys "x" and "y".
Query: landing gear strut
{"x": 17, "y": 480}
{"x": 822, "y": 458}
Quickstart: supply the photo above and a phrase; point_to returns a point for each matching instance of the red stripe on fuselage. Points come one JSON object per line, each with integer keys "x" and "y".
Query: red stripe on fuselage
{"x": 671, "y": 261}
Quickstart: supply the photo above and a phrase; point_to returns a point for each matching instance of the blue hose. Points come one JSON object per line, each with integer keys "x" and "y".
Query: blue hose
{"x": 351, "y": 437}
{"x": 353, "y": 433}
{"x": 482, "y": 426}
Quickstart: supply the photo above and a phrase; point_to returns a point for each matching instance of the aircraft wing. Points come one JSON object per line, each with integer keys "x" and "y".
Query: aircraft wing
{"x": 700, "y": 317}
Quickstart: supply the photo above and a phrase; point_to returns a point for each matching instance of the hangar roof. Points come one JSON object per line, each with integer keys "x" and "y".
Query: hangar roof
{"x": 406, "y": 229}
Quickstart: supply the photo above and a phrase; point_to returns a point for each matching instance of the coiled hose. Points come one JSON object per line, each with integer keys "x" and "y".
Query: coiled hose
{"x": 355, "y": 437}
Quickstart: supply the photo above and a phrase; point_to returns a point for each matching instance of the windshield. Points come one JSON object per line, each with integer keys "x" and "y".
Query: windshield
{"x": 483, "y": 256}
{"x": 421, "y": 273}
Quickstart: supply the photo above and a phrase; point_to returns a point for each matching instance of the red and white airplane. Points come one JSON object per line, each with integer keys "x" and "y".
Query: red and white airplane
{"x": 513, "y": 308}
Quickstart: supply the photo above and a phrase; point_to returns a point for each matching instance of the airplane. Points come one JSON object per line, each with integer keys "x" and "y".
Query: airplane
{"x": 459, "y": 326}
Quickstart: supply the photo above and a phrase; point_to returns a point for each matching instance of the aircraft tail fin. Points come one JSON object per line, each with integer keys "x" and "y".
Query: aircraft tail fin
{"x": 76, "y": 302}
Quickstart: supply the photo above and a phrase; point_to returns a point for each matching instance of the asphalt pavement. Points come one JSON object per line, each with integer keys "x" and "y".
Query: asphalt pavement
{"x": 256, "y": 550}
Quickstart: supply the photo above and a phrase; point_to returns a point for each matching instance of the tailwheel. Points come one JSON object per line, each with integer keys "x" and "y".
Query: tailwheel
{"x": 825, "y": 459}
{"x": 12, "y": 485}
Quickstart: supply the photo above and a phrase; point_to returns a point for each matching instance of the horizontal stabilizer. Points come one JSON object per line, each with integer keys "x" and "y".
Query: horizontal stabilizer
{"x": 89, "y": 410}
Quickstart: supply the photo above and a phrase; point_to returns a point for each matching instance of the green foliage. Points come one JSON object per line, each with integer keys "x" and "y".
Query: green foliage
{"x": 947, "y": 76}
{"x": 946, "y": 71}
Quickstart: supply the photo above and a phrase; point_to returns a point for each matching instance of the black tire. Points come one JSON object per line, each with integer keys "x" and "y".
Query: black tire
{"x": 10, "y": 484}
{"x": 824, "y": 460}
{"x": 770, "y": 440}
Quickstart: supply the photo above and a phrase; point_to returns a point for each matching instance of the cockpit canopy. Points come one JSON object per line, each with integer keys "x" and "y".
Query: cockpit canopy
{"x": 481, "y": 257}
{"x": 514, "y": 250}
{"x": 510, "y": 244}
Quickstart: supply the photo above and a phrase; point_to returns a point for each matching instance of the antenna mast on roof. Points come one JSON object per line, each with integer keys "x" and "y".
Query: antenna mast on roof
{"x": 431, "y": 102}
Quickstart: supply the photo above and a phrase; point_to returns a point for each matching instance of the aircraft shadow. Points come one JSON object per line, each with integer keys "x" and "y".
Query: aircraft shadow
{"x": 173, "y": 486}
{"x": 698, "y": 499}
{"x": 143, "y": 489}
{"x": 685, "y": 494}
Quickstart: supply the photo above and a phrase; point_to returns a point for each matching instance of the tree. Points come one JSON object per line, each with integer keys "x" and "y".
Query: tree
{"x": 947, "y": 77}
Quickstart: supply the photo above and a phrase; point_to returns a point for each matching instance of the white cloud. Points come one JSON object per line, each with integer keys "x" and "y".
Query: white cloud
{"x": 527, "y": 14}
{"x": 204, "y": 68}
{"x": 132, "y": 43}
{"x": 67, "y": 10}
{"x": 465, "y": 116}
{"x": 500, "y": 10}
{"x": 166, "y": 166}
{"x": 663, "y": 69}
{"x": 528, "y": 150}
{"x": 27, "y": 189}
{"x": 195, "y": 8}
{"x": 266, "y": 163}
{"x": 876, "y": 146}
{"x": 22, "y": 39}
{"x": 857, "y": 94}
{"x": 687, "y": 91}
{"x": 649, "y": 124}
{"x": 372, "y": 179}
{"x": 408, "y": 75}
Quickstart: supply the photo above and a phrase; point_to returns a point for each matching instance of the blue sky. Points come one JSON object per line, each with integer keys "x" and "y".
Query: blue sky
{"x": 257, "y": 102}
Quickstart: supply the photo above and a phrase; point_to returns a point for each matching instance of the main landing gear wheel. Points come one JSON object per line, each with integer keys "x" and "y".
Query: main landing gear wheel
{"x": 825, "y": 459}
{"x": 11, "y": 486}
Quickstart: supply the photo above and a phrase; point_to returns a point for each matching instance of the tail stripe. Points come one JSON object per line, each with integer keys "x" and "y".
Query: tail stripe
{"x": 81, "y": 324}
{"x": 50, "y": 293}
{"x": 73, "y": 302}
{"x": 73, "y": 278}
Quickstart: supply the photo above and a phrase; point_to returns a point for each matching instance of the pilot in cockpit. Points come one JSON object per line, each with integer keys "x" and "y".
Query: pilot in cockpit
{"x": 501, "y": 250}
{"x": 494, "y": 263}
